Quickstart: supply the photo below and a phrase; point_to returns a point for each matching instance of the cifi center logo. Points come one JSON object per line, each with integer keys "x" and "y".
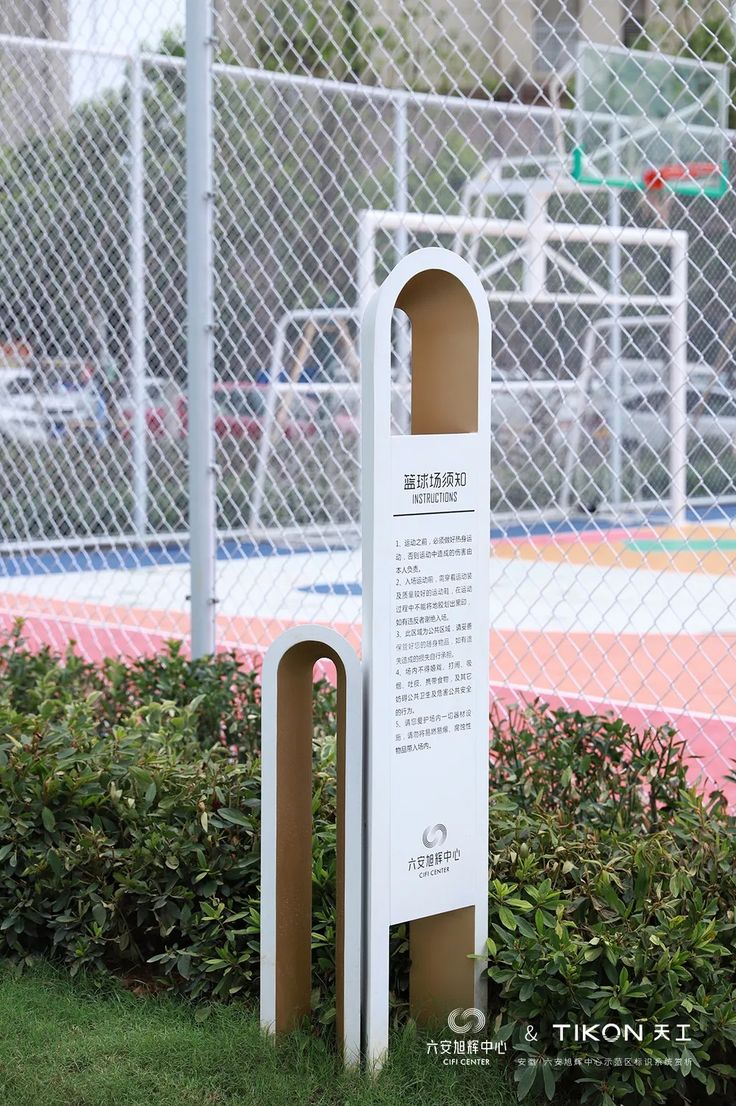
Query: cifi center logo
{"x": 468, "y": 1046}
{"x": 435, "y": 836}
{"x": 436, "y": 861}
{"x": 471, "y": 1020}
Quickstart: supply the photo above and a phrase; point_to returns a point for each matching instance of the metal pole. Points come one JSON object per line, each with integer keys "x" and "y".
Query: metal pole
{"x": 138, "y": 300}
{"x": 535, "y": 265}
{"x": 678, "y": 382}
{"x": 269, "y": 424}
{"x": 401, "y": 241}
{"x": 401, "y": 174}
{"x": 616, "y": 384}
{"x": 614, "y": 208}
{"x": 572, "y": 456}
{"x": 366, "y": 261}
{"x": 200, "y": 344}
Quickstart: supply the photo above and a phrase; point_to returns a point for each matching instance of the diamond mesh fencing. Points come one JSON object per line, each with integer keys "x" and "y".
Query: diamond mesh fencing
{"x": 578, "y": 155}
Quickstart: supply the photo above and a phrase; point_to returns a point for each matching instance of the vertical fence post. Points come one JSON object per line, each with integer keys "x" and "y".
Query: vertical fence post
{"x": 535, "y": 263}
{"x": 138, "y": 299}
{"x": 268, "y": 433}
{"x": 678, "y": 379}
{"x": 200, "y": 341}
{"x": 617, "y": 379}
{"x": 401, "y": 243}
{"x": 401, "y": 173}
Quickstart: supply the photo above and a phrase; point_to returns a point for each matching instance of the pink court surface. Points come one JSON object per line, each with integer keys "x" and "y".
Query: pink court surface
{"x": 639, "y": 621}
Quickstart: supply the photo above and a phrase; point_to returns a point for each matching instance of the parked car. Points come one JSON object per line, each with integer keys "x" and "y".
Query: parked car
{"x": 241, "y": 411}
{"x": 71, "y": 409}
{"x": 165, "y": 410}
{"x": 21, "y": 418}
{"x": 66, "y": 392}
{"x": 20, "y": 423}
{"x": 711, "y": 414}
{"x": 37, "y": 408}
{"x": 16, "y": 382}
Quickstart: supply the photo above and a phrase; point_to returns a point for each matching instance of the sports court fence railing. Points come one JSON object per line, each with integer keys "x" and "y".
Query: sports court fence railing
{"x": 614, "y": 402}
{"x": 280, "y": 265}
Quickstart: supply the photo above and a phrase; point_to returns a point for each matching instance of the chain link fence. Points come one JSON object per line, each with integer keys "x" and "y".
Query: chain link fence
{"x": 579, "y": 155}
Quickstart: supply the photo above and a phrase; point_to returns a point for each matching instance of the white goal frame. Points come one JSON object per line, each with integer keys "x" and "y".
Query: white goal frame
{"x": 537, "y": 238}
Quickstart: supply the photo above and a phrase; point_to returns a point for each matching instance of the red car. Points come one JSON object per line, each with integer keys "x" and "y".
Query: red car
{"x": 166, "y": 413}
{"x": 240, "y": 412}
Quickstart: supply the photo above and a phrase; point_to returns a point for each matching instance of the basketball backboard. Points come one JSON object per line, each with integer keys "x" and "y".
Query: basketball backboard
{"x": 650, "y": 120}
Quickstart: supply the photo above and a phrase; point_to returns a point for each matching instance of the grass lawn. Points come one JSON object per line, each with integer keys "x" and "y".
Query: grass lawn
{"x": 83, "y": 1043}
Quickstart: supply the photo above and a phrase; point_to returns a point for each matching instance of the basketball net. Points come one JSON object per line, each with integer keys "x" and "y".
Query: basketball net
{"x": 658, "y": 202}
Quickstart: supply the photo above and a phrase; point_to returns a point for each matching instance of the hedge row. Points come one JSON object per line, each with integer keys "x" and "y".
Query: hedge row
{"x": 129, "y": 841}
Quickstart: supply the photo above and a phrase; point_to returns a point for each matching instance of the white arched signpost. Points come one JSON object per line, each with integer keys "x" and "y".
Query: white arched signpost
{"x": 423, "y": 799}
{"x": 426, "y": 528}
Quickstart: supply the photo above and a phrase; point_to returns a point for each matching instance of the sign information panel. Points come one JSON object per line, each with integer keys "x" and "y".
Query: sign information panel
{"x": 426, "y": 529}
{"x": 437, "y": 654}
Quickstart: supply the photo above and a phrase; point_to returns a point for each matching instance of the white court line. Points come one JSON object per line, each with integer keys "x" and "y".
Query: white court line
{"x": 254, "y": 647}
{"x": 580, "y": 695}
{"x": 120, "y": 627}
{"x": 95, "y": 623}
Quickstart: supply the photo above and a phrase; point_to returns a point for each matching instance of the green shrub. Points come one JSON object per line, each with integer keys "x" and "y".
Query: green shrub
{"x": 227, "y": 692}
{"x": 29, "y": 677}
{"x": 133, "y": 849}
{"x": 589, "y": 926}
{"x": 129, "y": 824}
{"x": 229, "y": 695}
{"x": 612, "y": 898}
{"x": 129, "y": 840}
{"x": 599, "y": 769}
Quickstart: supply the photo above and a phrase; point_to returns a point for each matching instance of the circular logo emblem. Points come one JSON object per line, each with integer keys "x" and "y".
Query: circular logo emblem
{"x": 471, "y": 1020}
{"x": 434, "y": 836}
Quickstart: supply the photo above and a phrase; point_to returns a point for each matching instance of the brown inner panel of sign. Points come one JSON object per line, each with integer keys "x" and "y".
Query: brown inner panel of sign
{"x": 444, "y": 400}
{"x": 442, "y": 975}
{"x": 444, "y": 353}
{"x": 294, "y": 833}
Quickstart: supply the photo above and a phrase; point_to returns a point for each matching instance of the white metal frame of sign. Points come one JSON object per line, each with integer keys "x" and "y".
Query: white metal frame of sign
{"x": 418, "y": 713}
{"x": 426, "y": 527}
{"x": 286, "y": 832}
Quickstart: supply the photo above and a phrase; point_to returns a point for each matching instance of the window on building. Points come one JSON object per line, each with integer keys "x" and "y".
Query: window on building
{"x": 555, "y": 32}
{"x": 634, "y": 21}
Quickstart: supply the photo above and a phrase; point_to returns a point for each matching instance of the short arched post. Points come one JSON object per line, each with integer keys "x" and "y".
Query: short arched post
{"x": 286, "y": 835}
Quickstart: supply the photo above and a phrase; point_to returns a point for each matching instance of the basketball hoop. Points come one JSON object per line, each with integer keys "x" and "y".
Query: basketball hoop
{"x": 658, "y": 183}
{"x": 656, "y": 179}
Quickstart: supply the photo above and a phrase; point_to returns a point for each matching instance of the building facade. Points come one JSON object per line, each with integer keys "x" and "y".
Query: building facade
{"x": 34, "y": 82}
{"x": 452, "y": 45}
